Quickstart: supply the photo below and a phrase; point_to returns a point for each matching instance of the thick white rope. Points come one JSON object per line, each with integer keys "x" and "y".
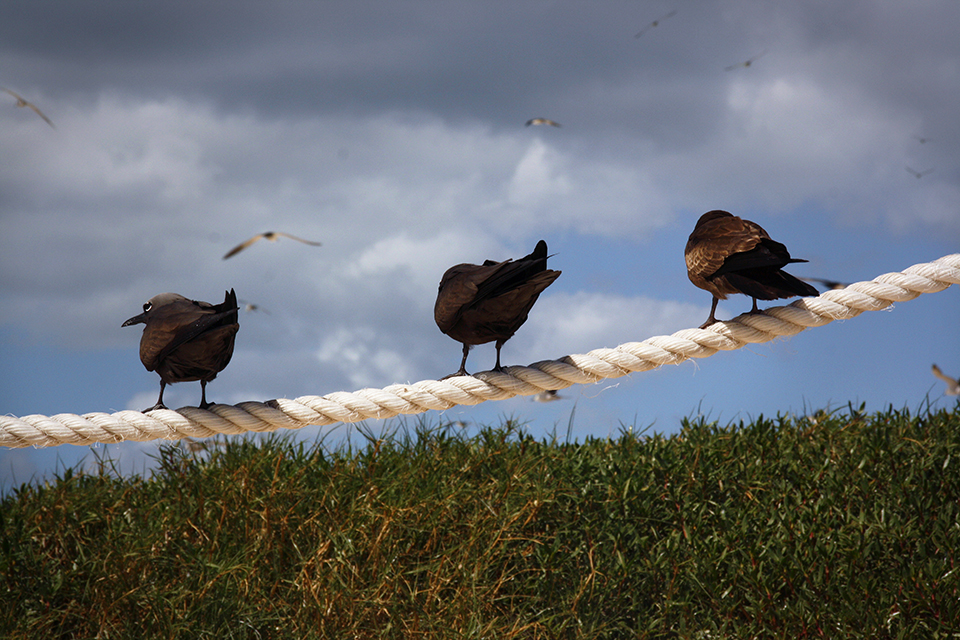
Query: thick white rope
{"x": 839, "y": 304}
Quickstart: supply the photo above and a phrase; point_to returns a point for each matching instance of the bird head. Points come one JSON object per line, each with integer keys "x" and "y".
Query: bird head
{"x": 151, "y": 305}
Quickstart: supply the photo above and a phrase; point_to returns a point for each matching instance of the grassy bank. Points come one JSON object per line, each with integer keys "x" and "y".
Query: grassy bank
{"x": 843, "y": 525}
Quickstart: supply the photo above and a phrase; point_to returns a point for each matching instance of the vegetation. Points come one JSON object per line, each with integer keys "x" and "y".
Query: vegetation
{"x": 827, "y": 525}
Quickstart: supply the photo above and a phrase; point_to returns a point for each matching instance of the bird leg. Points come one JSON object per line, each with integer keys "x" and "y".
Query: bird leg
{"x": 203, "y": 395}
{"x": 713, "y": 309}
{"x": 463, "y": 364}
{"x": 159, "y": 404}
{"x": 497, "y": 367}
{"x": 755, "y": 309}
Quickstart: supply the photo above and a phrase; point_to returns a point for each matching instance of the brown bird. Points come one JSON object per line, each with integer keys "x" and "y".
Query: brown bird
{"x": 655, "y": 23}
{"x": 746, "y": 63}
{"x": 186, "y": 340}
{"x": 477, "y": 304}
{"x": 272, "y": 236}
{"x": 546, "y": 121}
{"x": 21, "y": 102}
{"x": 953, "y": 386}
{"x": 726, "y": 254}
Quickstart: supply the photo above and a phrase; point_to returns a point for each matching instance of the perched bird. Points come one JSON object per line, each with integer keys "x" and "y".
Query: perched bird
{"x": 186, "y": 340}
{"x": 548, "y": 395}
{"x": 829, "y": 284}
{"x": 953, "y": 386}
{"x": 477, "y": 304}
{"x": 746, "y": 63}
{"x": 918, "y": 174}
{"x": 546, "y": 121}
{"x": 655, "y": 23}
{"x": 272, "y": 236}
{"x": 21, "y": 102}
{"x": 726, "y": 254}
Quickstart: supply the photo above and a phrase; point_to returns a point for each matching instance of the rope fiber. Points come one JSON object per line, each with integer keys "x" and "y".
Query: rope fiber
{"x": 434, "y": 395}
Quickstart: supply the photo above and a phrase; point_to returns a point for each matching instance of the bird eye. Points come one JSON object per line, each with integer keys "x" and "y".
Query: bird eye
{"x": 147, "y": 306}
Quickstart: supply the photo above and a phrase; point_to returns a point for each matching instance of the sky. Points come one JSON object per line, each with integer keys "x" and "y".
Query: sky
{"x": 394, "y": 134}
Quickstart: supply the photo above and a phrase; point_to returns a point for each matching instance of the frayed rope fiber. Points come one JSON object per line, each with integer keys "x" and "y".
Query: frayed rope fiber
{"x": 408, "y": 399}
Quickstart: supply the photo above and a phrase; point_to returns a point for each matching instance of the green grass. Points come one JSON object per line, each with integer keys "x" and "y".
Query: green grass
{"x": 828, "y": 526}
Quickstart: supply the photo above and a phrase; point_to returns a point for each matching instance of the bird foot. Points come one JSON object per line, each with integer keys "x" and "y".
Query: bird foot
{"x": 462, "y": 372}
{"x": 159, "y": 405}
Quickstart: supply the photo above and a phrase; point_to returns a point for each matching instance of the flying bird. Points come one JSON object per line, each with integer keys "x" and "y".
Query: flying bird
{"x": 918, "y": 174}
{"x": 477, "y": 304}
{"x": 746, "y": 63}
{"x": 21, "y": 102}
{"x": 186, "y": 340}
{"x": 272, "y": 236}
{"x": 829, "y": 284}
{"x": 534, "y": 121}
{"x": 726, "y": 254}
{"x": 548, "y": 395}
{"x": 953, "y": 386}
{"x": 921, "y": 139}
{"x": 655, "y": 23}
{"x": 250, "y": 307}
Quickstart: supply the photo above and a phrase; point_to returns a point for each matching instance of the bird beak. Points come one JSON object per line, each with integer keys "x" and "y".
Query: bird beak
{"x": 135, "y": 320}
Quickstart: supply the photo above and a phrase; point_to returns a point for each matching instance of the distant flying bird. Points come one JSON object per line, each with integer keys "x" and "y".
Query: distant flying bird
{"x": 21, "y": 102}
{"x": 186, "y": 340}
{"x": 921, "y": 139}
{"x": 655, "y": 23}
{"x": 548, "y": 395}
{"x": 542, "y": 121}
{"x": 829, "y": 284}
{"x": 953, "y": 386}
{"x": 250, "y": 307}
{"x": 746, "y": 63}
{"x": 726, "y": 254}
{"x": 272, "y": 236}
{"x": 918, "y": 174}
{"x": 477, "y": 304}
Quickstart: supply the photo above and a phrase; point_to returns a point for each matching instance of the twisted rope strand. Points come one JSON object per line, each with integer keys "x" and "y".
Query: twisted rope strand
{"x": 438, "y": 395}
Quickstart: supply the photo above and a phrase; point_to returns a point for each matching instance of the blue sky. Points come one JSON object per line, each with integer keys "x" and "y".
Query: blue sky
{"x": 395, "y": 135}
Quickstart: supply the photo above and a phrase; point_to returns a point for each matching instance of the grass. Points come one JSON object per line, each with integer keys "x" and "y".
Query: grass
{"x": 826, "y": 526}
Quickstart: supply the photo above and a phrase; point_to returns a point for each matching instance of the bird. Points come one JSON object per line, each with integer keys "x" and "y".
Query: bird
{"x": 186, "y": 340}
{"x": 921, "y": 139}
{"x": 21, "y": 102}
{"x": 251, "y": 307}
{"x": 547, "y": 395}
{"x": 272, "y": 236}
{"x": 547, "y": 121}
{"x": 953, "y": 386}
{"x": 918, "y": 174}
{"x": 746, "y": 63}
{"x": 655, "y": 23}
{"x": 726, "y": 254}
{"x": 829, "y": 284}
{"x": 477, "y": 304}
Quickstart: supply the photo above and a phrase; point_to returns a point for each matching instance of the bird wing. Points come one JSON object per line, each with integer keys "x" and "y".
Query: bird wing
{"x": 181, "y": 322}
{"x": 293, "y": 237}
{"x": 942, "y": 375}
{"x": 713, "y": 243}
{"x": 458, "y": 288}
{"x": 243, "y": 245}
{"x": 40, "y": 113}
